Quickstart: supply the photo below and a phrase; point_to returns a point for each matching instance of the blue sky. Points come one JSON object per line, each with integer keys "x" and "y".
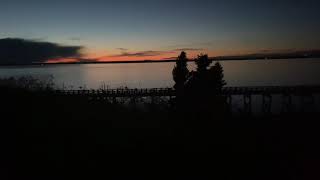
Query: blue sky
{"x": 212, "y": 26}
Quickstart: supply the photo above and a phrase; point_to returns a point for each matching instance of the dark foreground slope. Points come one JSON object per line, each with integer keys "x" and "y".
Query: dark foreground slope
{"x": 50, "y": 137}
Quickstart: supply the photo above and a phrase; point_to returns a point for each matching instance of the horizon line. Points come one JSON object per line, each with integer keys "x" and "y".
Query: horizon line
{"x": 227, "y": 58}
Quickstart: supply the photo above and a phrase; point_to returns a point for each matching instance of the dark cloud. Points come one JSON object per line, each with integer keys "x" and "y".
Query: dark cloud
{"x": 123, "y": 49}
{"x": 189, "y": 49}
{"x": 152, "y": 53}
{"x": 87, "y": 60}
{"x": 22, "y": 51}
{"x": 142, "y": 54}
{"x": 170, "y": 58}
{"x": 125, "y": 52}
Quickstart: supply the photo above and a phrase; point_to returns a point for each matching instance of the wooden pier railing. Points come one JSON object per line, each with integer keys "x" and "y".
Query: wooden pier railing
{"x": 258, "y": 90}
{"x": 306, "y": 94}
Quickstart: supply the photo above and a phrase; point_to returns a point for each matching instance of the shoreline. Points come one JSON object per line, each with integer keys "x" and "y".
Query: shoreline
{"x": 159, "y": 61}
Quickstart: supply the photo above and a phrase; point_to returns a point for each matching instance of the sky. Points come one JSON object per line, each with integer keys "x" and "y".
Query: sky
{"x": 160, "y": 29}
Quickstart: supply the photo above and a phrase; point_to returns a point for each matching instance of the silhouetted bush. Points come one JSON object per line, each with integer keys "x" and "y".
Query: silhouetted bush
{"x": 216, "y": 78}
{"x": 28, "y": 83}
{"x": 180, "y": 71}
{"x": 202, "y": 90}
{"x": 203, "y": 62}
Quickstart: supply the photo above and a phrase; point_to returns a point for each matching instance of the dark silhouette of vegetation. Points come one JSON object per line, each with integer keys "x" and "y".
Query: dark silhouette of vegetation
{"x": 180, "y": 72}
{"x": 202, "y": 88}
{"x": 180, "y": 75}
{"x": 217, "y": 77}
{"x": 27, "y": 83}
{"x": 206, "y": 78}
{"x": 203, "y": 62}
{"x": 55, "y": 136}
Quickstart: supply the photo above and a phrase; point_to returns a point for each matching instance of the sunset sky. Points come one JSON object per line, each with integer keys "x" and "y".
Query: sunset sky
{"x": 160, "y": 29}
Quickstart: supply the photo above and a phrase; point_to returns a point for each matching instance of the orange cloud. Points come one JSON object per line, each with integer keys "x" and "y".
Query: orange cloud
{"x": 126, "y": 55}
{"x": 63, "y": 60}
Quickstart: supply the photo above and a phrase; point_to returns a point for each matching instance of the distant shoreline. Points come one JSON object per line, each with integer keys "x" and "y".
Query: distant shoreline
{"x": 231, "y": 58}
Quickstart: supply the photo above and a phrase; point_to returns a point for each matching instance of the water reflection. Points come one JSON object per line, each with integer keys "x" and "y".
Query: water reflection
{"x": 153, "y": 75}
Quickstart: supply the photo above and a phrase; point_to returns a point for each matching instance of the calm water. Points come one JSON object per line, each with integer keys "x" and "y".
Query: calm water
{"x": 154, "y": 75}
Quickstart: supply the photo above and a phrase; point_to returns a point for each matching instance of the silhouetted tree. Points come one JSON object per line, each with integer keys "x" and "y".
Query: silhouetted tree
{"x": 180, "y": 74}
{"x": 216, "y": 77}
{"x": 202, "y": 63}
{"x": 203, "y": 88}
{"x": 199, "y": 80}
{"x": 180, "y": 71}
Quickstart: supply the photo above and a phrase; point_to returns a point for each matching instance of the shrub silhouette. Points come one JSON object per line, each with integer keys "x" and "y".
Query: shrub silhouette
{"x": 216, "y": 77}
{"x": 27, "y": 83}
{"x": 203, "y": 89}
{"x": 180, "y": 71}
{"x": 203, "y": 62}
{"x": 180, "y": 75}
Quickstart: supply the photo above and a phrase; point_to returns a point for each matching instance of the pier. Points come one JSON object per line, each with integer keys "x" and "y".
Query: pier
{"x": 289, "y": 98}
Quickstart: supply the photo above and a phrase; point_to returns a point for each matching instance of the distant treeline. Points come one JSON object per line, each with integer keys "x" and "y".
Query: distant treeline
{"x": 290, "y": 55}
{"x": 256, "y": 56}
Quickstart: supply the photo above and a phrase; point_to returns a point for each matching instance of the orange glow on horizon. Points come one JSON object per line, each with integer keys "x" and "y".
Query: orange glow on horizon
{"x": 63, "y": 60}
{"x": 129, "y": 58}
{"x": 105, "y": 58}
{"x": 164, "y": 56}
